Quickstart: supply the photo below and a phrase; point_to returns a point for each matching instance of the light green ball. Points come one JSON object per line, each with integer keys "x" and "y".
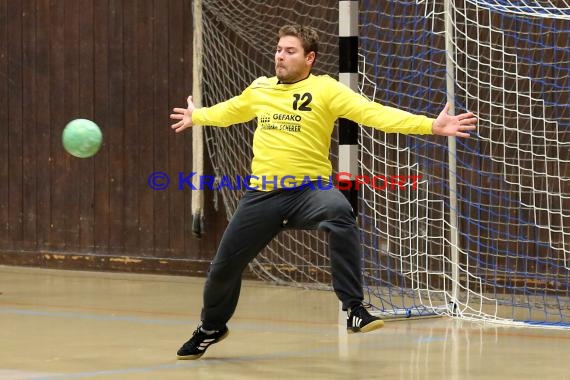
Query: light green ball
{"x": 82, "y": 138}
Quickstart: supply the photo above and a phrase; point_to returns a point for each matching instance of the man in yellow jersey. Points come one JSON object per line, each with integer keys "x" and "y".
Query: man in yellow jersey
{"x": 295, "y": 112}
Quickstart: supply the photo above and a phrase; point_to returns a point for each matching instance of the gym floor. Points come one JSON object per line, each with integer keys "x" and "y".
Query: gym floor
{"x": 91, "y": 325}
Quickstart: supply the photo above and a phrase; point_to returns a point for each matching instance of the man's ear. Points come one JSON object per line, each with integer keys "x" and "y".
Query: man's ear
{"x": 311, "y": 57}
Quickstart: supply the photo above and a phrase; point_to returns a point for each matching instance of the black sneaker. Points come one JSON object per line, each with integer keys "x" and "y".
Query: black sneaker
{"x": 360, "y": 320}
{"x": 200, "y": 341}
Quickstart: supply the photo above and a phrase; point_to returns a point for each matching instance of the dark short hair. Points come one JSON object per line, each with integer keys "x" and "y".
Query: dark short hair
{"x": 308, "y": 36}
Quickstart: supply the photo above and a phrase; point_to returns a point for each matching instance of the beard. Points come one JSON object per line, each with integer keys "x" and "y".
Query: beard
{"x": 288, "y": 76}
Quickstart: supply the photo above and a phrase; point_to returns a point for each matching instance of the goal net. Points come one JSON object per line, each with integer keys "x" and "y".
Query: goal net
{"x": 485, "y": 234}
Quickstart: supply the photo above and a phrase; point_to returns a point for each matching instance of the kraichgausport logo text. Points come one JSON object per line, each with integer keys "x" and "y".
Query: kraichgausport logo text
{"x": 341, "y": 181}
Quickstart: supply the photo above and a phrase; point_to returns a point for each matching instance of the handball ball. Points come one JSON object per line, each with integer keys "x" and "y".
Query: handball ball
{"x": 82, "y": 138}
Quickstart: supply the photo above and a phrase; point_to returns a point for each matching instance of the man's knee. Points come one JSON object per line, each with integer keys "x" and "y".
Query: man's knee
{"x": 338, "y": 207}
{"x": 340, "y": 210}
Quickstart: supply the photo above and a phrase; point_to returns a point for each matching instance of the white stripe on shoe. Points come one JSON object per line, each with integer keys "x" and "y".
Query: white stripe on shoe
{"x": 205, "y": 343}
{"x": 356, "y": 321}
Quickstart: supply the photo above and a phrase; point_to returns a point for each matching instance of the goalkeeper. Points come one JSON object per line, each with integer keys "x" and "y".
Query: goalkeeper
{"x": 295, "y": 112}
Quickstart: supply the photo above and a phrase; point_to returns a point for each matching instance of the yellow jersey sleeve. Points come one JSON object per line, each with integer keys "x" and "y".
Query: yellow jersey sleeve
{"x": 347, "y": 104}
{"x": 233, "y": 111}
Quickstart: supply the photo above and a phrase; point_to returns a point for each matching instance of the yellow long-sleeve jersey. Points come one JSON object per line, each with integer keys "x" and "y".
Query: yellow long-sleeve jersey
{"x": 295, "y": 124}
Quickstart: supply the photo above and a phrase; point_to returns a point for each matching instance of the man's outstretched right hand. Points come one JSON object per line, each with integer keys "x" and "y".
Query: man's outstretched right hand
{"x": 184, "y": 115}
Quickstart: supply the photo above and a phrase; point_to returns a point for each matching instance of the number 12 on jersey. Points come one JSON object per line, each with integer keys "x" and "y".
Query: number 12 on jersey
{"x": 304, "y": 99}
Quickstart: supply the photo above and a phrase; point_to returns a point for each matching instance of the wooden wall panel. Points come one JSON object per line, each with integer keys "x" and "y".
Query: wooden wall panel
{"x": 115, "y": 128}
{"x": 145, "y": 45}
{"x": 101, "y": 103}
{"x": 5, "y": 236}
{"x": 29, "y": 143}
{"x": 43, "y": 134}
{"x": 15, "y": 135}
{"x": 166, "y": 234}
{"x": 85, "y": 105}
{"x": 59, "y": 160}
{"x": 123, "y": 64}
